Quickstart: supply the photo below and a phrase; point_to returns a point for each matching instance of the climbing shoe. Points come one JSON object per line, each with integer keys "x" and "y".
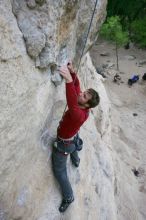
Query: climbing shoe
{"x": 75, "y": 159}
{"x": 65, "y": 203}
{"x": 76, "y": 162}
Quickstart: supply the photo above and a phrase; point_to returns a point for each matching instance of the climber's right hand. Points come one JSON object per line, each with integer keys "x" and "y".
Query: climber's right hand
{"x": 65, "y": 73}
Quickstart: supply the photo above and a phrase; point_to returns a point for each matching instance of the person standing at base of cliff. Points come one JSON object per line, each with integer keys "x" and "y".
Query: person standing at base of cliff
{"x": 68, "y": 140}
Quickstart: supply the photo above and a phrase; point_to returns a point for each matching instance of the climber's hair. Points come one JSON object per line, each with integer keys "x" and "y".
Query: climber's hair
{"x": 94, "y": 101}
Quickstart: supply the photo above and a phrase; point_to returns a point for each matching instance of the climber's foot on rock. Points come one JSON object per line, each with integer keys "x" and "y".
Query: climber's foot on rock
{"x": 65, "y": 203}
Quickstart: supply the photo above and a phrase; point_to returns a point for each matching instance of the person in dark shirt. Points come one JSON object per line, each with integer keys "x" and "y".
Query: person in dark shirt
{"x": 68, "y": 140}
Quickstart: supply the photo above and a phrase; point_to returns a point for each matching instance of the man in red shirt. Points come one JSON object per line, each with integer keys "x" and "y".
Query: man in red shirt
{"x": 68, "y": 141}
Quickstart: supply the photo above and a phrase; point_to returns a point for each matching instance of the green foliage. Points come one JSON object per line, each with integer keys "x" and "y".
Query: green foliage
{"x": 112, "y": 30}
{"x": 126, "y": 8}
{"x": 138, "y": 28}
{"x": 131, "y": 13}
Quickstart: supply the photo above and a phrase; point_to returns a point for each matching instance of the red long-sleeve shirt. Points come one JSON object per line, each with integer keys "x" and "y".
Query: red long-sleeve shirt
{"x": 75, "y": 116}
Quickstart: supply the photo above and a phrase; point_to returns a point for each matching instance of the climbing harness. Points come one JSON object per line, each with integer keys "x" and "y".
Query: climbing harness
{"x": 68, "y": 146}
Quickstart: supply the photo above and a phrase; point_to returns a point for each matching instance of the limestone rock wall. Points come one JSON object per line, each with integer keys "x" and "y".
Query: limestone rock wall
{"x": 56, "y": 30}
{"x": 31, "y": 107}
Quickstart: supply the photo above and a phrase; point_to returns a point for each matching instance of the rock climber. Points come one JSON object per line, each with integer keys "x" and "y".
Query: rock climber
{"x": 68, "y": 140}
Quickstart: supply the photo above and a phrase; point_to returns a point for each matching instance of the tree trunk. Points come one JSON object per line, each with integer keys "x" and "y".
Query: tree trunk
{"x": 117, "y": 56}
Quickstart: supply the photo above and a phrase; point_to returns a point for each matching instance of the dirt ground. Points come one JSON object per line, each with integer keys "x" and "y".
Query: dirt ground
{"x": 128, "y": 119}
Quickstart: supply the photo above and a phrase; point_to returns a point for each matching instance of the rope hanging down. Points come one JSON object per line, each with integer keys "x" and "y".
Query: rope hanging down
{"x": 90, "y": 24}
{"x": 87, "y": 35}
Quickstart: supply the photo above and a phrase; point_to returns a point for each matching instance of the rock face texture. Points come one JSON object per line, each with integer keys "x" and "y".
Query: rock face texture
{"x": 54, "y": 30}
{"x": 128, "y": 123}
{"x": 34, "y": 37}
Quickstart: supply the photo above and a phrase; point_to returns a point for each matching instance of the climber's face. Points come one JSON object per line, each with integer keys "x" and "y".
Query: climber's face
{"x": 83, "y": 98}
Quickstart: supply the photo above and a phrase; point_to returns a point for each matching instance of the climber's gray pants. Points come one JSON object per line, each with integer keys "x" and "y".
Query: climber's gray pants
{"x": 60, "y": 171}
{"x": 59, "y": 158}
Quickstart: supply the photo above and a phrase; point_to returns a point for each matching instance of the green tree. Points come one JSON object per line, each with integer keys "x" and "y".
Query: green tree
{"x": 131, "y": 9}
{"x": 138, "y": 28}
{"x": 112, "y": 30}
{"x": 128, "y": 11}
